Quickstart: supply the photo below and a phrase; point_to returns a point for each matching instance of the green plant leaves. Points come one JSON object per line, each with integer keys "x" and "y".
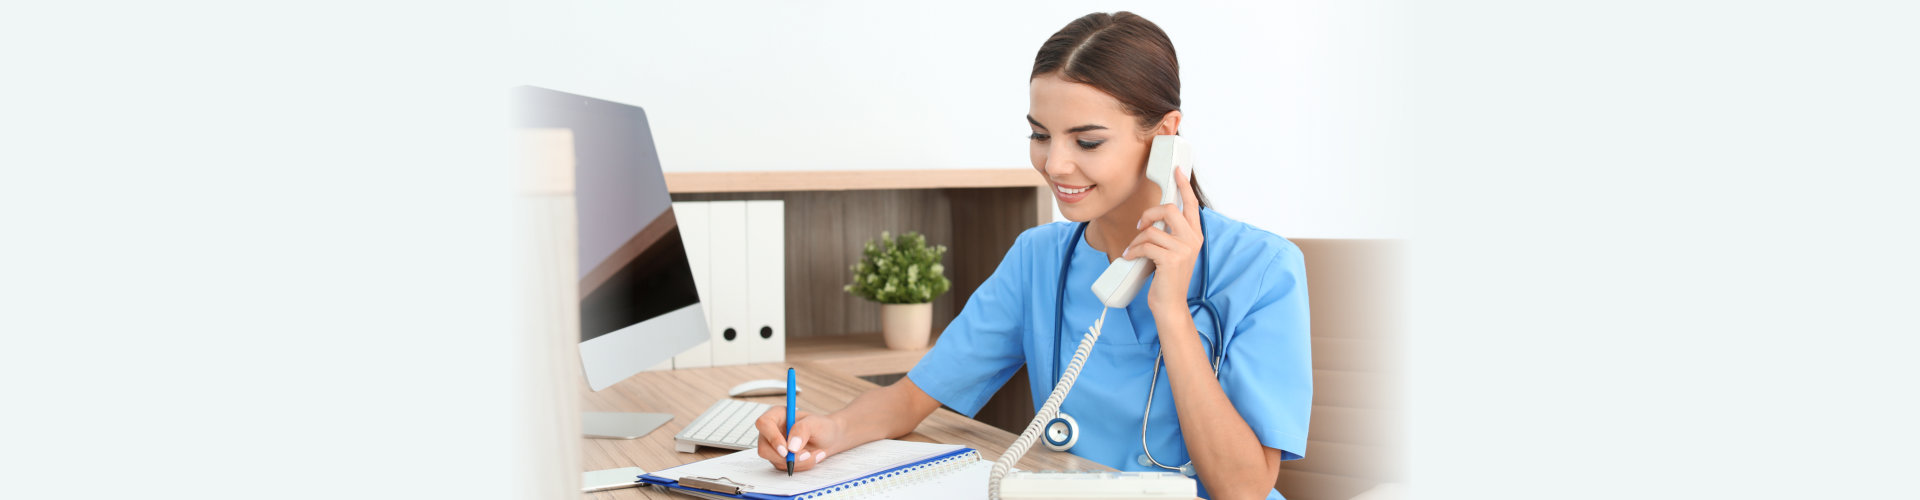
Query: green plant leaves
{"x": 902, "y": 270}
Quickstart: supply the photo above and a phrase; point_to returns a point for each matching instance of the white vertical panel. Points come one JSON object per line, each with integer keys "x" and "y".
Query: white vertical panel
{"x": 766, "y": 281}
{"x": 547, "y": 401}
{"x": 727, "y": 247}
{"x": 694, "y": 223}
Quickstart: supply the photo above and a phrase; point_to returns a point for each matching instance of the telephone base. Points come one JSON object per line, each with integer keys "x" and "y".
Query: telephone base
{"x": 1119, "y": 485}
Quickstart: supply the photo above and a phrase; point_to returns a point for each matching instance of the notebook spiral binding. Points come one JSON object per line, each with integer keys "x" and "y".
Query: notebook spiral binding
{"x": 878, "y": 486}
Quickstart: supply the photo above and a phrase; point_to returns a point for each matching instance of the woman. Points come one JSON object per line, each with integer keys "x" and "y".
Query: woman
{"x": 1101, "y": 88}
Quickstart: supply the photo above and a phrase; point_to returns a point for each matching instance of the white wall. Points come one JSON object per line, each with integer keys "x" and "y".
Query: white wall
{"x": 269, "y": 245}
{"x": 1284, "y": 102}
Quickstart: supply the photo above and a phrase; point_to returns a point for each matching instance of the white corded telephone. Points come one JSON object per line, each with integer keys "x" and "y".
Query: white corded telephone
{"x": 1116, "y": 288}
{"x": 1124, "y": 278}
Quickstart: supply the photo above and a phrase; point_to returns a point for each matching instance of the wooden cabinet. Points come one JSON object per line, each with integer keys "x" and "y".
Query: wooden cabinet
{"x": 830, "y": 215}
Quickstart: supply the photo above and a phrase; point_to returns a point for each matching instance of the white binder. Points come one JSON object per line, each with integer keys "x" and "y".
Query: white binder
{"x": 727, "y": 247}
{"x": 695, "y": 226}
{"x": 766, "y": 329}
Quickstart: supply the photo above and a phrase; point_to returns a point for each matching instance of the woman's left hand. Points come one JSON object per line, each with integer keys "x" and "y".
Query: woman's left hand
{"x": 1174, "y": 250}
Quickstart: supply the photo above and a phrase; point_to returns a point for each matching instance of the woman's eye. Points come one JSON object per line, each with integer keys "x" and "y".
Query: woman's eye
{"x": 1090, "y": 144}
{"x": 1038, "y": 137}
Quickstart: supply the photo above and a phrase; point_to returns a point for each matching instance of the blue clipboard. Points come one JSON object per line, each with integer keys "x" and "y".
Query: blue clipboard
{"x": 720, "y": 487}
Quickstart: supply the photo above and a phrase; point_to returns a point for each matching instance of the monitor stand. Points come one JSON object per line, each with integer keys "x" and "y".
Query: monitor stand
{"x": 608, "y": 425}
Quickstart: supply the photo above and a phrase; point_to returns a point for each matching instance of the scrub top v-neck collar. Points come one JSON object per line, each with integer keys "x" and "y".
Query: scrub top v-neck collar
{"x": 1087, "y": 264}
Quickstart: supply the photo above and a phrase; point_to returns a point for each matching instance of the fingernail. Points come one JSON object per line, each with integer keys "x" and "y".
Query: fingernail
{"x": 1138, "y": 223}
{"x": 1123, "y": 253}
{"x": 822, "y": 456}
{"x": 793, "y": 443}
{"x": 802, "y": 456}
{"x": 780, "y": 450}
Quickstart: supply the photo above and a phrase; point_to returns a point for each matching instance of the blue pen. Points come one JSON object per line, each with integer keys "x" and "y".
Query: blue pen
{"x": 790, "y": 388}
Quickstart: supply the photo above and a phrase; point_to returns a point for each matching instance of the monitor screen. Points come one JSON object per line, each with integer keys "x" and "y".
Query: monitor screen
{"x": 634, "y": 275}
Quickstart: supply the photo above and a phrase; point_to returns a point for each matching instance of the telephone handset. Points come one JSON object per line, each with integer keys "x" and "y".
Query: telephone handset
{"x": 1124, "y": 278}
{"x": 1116, "y": 288}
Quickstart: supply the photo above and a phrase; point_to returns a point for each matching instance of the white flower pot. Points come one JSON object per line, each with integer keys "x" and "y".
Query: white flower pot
{"x": 906, "y": 326}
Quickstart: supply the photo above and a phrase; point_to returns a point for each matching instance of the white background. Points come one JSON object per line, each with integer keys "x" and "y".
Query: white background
{"x": 1663, "y": 249}
{"x": 1285, "y": 102}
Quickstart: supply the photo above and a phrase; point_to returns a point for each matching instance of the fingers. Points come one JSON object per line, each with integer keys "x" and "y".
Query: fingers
{"x": 801, "y": 461}
{"x": 1189, "y": 207}
{"x": 810, "y": 438}
{"x": 802, "y": 434}
{"x": 1176, "y": 220}
{"x": 811, "y": 435}
{"x": 1179, "y": 229}
{"x": 1190, "y": 201}
{"x": 775, "y": 443}
{"x": 1177, "y": 223}
{"x": 772, "y": 435}
{"x": 1156, "y": 252}
{"x": 1153, "y": 243}
{"x": 1156, "y": 213}
{"x": 772, "y": 427}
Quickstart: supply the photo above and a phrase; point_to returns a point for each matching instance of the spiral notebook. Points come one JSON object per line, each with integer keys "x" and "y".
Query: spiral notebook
{"x": 881, "y": 469}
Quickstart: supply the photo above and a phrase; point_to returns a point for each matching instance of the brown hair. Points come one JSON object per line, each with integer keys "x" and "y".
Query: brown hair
{"x": 1124, "y": 55}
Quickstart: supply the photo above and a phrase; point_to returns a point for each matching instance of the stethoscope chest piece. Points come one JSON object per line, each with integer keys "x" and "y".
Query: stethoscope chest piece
{"x": 1062, "y": 432}
{"x": 1146, "y": 461}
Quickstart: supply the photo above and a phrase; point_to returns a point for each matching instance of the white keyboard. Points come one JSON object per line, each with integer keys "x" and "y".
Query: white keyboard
{"x": 727, "y": 424}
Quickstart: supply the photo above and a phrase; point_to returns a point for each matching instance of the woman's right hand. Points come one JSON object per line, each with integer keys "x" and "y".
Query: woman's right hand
{"x": 813, "y": 435}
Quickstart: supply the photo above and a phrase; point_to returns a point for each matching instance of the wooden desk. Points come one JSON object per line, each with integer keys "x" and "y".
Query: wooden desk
{"x": 859, "y": 354}
{"x": 686, "y": 393}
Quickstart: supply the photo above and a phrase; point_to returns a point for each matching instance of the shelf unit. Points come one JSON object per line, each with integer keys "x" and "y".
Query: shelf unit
{"x": 830, "y": 216}
{"x": 859, "y": 355}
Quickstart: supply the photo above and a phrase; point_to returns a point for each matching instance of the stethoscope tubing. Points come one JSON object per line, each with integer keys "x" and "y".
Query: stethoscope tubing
{"x": 1217, "y": 348}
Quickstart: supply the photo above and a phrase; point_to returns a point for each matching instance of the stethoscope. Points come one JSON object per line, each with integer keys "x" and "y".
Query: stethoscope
{"x": 1062, "y": 432}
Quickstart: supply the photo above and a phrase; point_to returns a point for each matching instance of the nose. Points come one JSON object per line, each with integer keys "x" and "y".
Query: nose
{"x": 1057, "y": 164}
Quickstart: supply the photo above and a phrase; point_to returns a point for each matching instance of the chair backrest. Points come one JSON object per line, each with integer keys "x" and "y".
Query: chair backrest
{"x": 1357, "y": 437}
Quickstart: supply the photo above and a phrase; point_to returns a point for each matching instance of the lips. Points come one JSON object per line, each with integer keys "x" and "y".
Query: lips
{"x": 1070, "y": 194}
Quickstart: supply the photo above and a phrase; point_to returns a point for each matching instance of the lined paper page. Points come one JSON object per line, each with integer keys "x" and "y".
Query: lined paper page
{"x": 966, "y": 483}
{"x": 747, "y": 468}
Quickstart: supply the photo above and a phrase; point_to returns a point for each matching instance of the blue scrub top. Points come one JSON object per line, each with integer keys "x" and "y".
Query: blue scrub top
{"x": 1259, "y": 285}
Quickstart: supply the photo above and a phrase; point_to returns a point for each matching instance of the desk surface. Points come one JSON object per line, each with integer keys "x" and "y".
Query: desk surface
{"x": 686, "y": 393}
{"x": 859, "y": 354}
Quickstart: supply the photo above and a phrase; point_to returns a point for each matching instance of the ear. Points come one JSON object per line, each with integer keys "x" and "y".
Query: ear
{"x": 1169, "y": 124}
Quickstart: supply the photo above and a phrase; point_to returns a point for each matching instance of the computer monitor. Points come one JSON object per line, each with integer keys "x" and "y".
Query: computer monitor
{"x": 638, "y": 304}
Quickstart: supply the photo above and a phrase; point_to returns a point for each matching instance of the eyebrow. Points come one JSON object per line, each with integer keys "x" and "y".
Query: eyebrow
{"x": 1075, "y": 130}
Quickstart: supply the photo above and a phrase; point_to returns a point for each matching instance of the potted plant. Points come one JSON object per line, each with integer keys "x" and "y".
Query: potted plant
{"x": 904, "y": 275}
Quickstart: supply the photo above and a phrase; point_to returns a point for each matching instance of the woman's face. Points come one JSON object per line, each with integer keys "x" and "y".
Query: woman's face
{"x": 1087, "y": 146}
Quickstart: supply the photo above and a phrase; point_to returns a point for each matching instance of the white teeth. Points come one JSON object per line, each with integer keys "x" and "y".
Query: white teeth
{"x": 1071, "y": 191}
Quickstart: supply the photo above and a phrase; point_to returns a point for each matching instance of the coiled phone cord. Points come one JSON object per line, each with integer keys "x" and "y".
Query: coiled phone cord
{"x": 1047, "y": 411}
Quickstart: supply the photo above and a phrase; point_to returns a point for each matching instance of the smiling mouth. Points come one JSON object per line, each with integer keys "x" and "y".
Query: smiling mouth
{"x": 1064, "y": 190}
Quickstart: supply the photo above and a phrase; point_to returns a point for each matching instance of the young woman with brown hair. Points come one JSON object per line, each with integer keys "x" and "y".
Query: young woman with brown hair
{"x": 1234, "y": 402}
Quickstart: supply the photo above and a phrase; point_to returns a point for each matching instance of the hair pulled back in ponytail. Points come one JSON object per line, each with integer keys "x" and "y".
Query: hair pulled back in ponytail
{"x": 1123, "y": 55}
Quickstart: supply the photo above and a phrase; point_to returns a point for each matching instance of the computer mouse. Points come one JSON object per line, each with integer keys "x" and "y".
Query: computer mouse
{"x": 767, "y": 387}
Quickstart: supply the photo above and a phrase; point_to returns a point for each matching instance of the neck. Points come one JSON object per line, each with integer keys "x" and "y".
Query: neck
{"x": 1111, "y": 233}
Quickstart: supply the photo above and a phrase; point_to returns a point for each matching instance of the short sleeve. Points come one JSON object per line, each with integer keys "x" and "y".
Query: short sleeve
{"x": 984, "y": 345}
{"x": 1268, "y": 372}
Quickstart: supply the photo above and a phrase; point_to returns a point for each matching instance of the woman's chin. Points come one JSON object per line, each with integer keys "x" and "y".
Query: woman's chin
{"x": 1085, "y": 210}
{"x": 1076, "y": 215}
